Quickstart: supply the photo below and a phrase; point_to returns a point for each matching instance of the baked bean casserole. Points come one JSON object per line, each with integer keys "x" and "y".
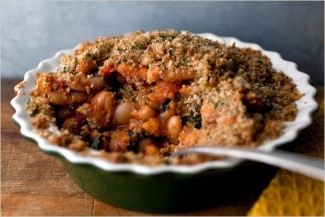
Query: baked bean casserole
{"x": 142, "y": 96}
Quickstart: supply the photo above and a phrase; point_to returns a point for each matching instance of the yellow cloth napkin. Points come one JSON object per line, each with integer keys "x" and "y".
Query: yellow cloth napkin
{"x": 292, "y": 194}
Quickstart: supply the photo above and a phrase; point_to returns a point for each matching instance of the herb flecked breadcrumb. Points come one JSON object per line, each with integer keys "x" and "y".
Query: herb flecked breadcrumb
{"x": 139, "y": 97}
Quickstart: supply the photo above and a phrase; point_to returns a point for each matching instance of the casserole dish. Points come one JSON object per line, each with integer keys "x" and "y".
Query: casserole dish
{"x": 164, "y": 188}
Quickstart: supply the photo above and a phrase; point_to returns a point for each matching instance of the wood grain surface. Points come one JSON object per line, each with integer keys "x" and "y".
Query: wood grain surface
{"x": 35, "y": 184}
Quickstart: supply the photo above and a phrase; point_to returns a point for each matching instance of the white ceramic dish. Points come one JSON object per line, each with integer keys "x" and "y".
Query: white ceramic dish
{"x": 306, "y": 106}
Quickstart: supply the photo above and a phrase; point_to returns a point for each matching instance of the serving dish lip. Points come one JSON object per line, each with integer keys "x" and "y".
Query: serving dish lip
{"x": 306, "y": 105}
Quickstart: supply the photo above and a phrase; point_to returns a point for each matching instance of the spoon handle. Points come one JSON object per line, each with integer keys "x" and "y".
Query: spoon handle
{"x": 294, "y": 162}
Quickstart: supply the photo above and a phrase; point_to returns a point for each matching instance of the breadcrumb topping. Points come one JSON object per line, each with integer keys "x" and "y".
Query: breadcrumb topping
{"x": 142, "y": 96}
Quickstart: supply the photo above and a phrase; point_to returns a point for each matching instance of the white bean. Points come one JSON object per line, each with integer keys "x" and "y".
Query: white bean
{"x": 65, "y": 99}
{"x": 148, "y": 147}
{"x": 84, "y": 83}
{"x": 174, "y": 127}
{"x": 145, "y": 113}
{"x": 102, "y": 108}
{"x": 122, "y": 113}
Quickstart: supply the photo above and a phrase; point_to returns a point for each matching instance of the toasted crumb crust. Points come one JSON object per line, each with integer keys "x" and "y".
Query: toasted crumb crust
{"x": 139, "y": 97}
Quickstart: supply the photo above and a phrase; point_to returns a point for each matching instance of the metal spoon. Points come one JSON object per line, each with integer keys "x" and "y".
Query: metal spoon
{"x": 299, "y": 163}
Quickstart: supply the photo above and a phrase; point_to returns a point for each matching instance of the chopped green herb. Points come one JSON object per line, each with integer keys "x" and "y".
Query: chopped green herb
{"x": 119, "y": 50}
{"x": 34, "y": 112}
{"x": 191, "y": 119}
{"x": 139, "y": 47}
{"x": 131, "y": 134}
{"x": 166, "y": 162}
{"x": 197, "y": 108}
{"x": 185, "y": 59}
{"x": 220, "y": 102}
{"x": 96, "y": 143}
{"x": 135, "y": 137}
{"x": 177, "y": 99}
{"x": 168, "y": 36}
{"x": 164, "y": 108}
{"x": 260, "y": 61}
{"x": 194, "y": 120}
{"x": 171, "y": 51}
{"x": 65, "y": 69}
{"x": 90, "y": 56}
{"x": 125, "y": 159}
{"x": 120, "y": 61}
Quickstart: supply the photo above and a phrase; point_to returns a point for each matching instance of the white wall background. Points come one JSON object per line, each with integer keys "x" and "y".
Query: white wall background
{"x": 34, "y": 30}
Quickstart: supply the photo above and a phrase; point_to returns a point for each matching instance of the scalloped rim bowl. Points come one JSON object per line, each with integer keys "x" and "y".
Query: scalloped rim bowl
{"x": 306, "y": 105}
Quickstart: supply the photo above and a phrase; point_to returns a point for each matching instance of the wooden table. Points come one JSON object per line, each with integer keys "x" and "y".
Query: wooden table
{"x": 33, "y": 183}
